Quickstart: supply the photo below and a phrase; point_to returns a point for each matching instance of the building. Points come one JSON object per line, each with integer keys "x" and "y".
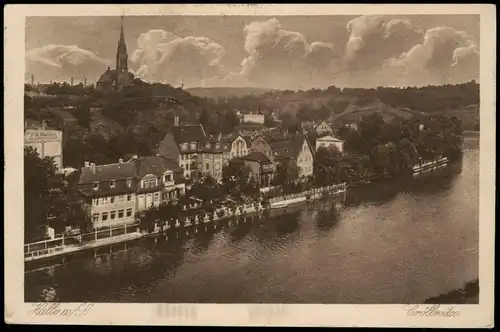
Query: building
{"x": 183, "y": 144}
{"x": 261, "y": 168}
{"x": 158, "y": 180}
{"x": 328, "y": 141}
{"x": 110, "y": 191}
{"x": 323, "y": 129}
{"x": 294, "y": 148}
{"x": 251, "y": 117}
{"x": 46, "y": 141}
{"x": 118, "y": 78}
{"x": 193, "y": 150}
{"x": 116, "y": 192}
{"x": 212, "y": 158}
{"x": 260, "y": 144}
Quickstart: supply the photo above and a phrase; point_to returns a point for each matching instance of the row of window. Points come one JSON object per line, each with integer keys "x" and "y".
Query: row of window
{"x": 111, "y": 200}
{"x": 112, "y": 215}
{"x": 112, "y": 184}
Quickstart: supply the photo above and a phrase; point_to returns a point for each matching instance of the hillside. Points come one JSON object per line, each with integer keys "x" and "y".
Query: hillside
{"x": 226, "y": 92}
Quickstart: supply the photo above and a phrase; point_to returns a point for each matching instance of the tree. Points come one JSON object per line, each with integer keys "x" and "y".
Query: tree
{"x": 231, "y": 120}
{"x": 204, "y": 119}
{"x": 235, "y": 176}
{"x": 325, "y": 165}
{"x": 82, "y": 115}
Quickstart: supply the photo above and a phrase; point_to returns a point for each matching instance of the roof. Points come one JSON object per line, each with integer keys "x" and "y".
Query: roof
{"x": 288, "y": 147}
{"x": 108, "y": 76}
{"x": 107, "y": 172}
{"x": 156, "y": 165}
{"x": 256, "y": 156}
{"x": 329, "y": 138}
{"x": 188, "y": 133}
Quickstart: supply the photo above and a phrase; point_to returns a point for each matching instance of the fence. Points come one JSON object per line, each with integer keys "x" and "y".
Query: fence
{"x": 341, "y": 187}
{"x": 59, "y": 243}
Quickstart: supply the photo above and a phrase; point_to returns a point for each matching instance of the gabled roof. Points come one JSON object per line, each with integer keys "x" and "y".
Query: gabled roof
{"x": 156, "y": 165}
{"x": 188, "y": 133}
{"x": 256, "y": 156}
{"x": 288, "y": 147}
{"x": 98, "y": 173}
{"x": 329, "y": 138}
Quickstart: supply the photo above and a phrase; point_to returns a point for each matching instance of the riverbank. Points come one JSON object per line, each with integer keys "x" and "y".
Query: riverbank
{"x": 469, "y": 294}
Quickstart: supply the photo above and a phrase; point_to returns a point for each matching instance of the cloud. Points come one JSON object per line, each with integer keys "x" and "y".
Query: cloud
{"x": 61, "y": 62}
{"x": 161, "y": 56}
{"x": 281, "y": 58}
{"x": 445, "y": 56}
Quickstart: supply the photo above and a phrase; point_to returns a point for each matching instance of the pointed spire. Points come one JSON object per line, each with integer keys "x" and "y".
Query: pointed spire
{"x": 121, "y": 43}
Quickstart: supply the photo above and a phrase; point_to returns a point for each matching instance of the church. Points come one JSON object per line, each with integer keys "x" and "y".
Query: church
{"x": 120, "y": 77}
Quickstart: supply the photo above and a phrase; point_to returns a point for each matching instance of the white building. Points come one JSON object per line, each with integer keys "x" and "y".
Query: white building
{"x": 328, "y": 141}
{"x": 47, "y": 142}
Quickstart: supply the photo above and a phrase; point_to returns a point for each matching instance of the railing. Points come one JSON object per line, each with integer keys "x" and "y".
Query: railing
{"x": 333, "y": 188}
{"x": 52, "y": 245}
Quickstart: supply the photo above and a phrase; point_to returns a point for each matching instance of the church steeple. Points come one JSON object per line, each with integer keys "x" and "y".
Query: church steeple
{"x": 122, "y": 75}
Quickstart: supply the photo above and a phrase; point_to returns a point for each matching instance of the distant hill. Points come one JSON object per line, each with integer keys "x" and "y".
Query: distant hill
{"x": 227, "y": 92}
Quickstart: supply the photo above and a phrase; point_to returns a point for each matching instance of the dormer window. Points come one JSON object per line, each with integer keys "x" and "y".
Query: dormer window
{"x": 192, "y": 146}
{"x": 112, "y": 184}
{"x": 207, "y": 145}
{"x": 96, "y": 185}
{"x": 217, "y": 145}
{"x": 167, "y": 178}
{"x": 129, "y": 183}
{"x": 184, "y": 146}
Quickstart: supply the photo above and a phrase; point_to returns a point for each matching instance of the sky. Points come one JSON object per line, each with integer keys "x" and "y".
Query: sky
{"x": 283, "y": 52}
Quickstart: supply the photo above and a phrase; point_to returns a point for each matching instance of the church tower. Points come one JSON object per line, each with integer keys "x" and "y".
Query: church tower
{"x": 122, "y": 74}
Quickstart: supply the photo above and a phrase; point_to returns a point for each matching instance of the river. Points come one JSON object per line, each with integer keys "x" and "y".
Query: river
{"x": 389, "y": 245}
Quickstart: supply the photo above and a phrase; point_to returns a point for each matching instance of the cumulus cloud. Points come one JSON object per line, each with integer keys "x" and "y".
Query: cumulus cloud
{"x": 278, "y": 57}
{"x": 61, "y": 62}
{"x": 445, "y": 56}
{"x": 161, "y": 56}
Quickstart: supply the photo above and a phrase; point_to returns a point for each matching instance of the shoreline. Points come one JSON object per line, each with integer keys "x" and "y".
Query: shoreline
{"x": 468, "y": 294}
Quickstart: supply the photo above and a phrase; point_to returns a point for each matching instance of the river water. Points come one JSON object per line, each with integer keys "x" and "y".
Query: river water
{"x": 390, "y": 244}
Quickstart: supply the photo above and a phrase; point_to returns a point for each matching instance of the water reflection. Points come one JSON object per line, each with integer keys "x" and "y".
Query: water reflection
{"x": 421, "y": 237}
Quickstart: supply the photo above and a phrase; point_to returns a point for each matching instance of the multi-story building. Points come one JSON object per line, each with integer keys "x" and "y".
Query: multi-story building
{"x": 294, "y": 148}
{"x": 116, "y": 192}
{"x": 212, "y": 159}
{"x": 329, "y": 140}
{"x": 261, "y": 168}
{"x": 183, "y": 144}
{"x": 260, "y": 144}
{"x": 47, "y": 142}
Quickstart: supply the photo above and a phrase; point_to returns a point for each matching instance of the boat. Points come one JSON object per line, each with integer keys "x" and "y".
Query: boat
{"x": 279, "y": 205}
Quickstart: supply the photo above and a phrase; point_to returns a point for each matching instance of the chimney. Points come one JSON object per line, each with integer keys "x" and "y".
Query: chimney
{"x": 176, "y": 121}
{"x": 120, "y": 161}
{"x": 134, "y": 156}
{"x": 32, "y": 79}
{"x": 219, "y": 138}
{"x": 92, "y": 165}
{"x": 87, "y": 164}
{"x": 44, "y": 124}
{"x": 85, "y": 81}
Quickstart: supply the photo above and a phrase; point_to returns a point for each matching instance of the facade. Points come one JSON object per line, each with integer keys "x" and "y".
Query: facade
{"x": 328, "y": 141}
{"x": 120, "y": 77}
{"x": 212, "y": 159}
{"x": 261, "y": 168}
{"x": 116, "y": 192}
{"x": 239, "y": 147}
{"x": 189, "y": 146}
{"x": 252, "y": 117}
{"x": 47, "y": 142}
{"x": 323, "y": 129}
{"x": 260, "y": 144}
{"x": 297, "y": 149}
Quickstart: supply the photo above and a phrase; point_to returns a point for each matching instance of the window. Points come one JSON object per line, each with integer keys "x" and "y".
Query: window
{"x": 105, "y": 200}
{"x": 104, "y": 216}
{"x": 129, "y": 197}
{"x": 120, "y": 214}
{"x": 112, "y": 200}
{"x": 149, "y": 183}
{"x": 112, "y": 184}
{"x": 95, "y": 217}
{"x": 129, "y": 183}
{"x": 96, "y": 185}
{"x": 192, "y": 145}
{"x": 167, "y": 178}
{"x": 217, "y": 145}
{"x": 187, "y": 167}
{"x": 182, "y": 165}
{"x": 129, "y": 212}
{"x": 207, "y": 166}
{"x": 207, "y": 145}
{"x": 112, "y": 215}
{"x": 184, "y": 146}
{"x": 217, "y": 165}
{"x": 95, "y": 201}
{"x": 156, "y": 197}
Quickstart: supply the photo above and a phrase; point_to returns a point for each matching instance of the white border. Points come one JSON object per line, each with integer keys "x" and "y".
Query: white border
{"x": 16, "y": 311}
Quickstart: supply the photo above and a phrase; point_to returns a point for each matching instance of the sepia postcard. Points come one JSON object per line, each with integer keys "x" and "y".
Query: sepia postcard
{"x": 250, "y": 165}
